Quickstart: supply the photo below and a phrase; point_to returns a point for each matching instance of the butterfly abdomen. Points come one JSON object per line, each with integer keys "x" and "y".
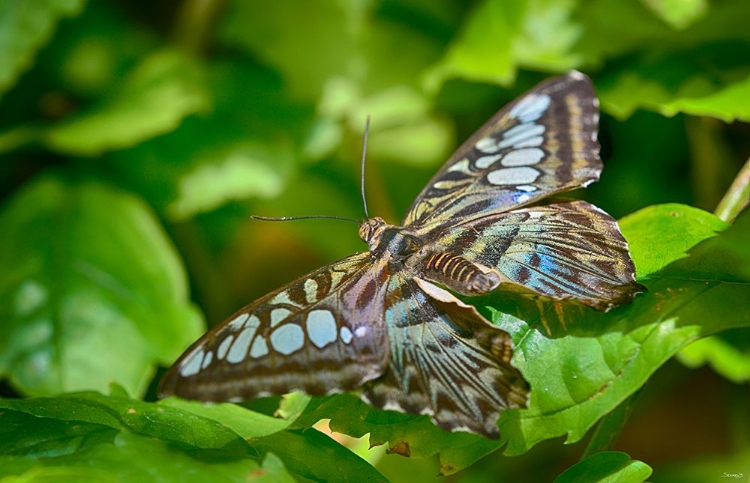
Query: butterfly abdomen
{"x": 459, "y": 274}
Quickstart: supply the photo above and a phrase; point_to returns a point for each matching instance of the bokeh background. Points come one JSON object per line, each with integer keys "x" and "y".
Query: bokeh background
{"x": 163, "y": 125}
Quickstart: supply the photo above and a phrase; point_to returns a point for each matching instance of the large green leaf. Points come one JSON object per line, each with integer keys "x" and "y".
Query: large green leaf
{"x": 91, "y": 290}
{"x": 24, "y": 28}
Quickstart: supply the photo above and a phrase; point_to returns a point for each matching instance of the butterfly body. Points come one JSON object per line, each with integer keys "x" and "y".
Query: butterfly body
{"x": 386, "y": 321}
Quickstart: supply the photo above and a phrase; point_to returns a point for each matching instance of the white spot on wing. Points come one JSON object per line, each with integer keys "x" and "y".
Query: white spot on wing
{"x": 239, "y": 348}
{"x": 487, "y": 144}
{"x": 527, "y": 188}
{"x": 523, "y": 157}
{"x": 259, "y": 348}
{"x": 192, "y": 364}
{"x": 236, "y": 324}
{"x": 224, "y": 347}
{"x": 277, "y": 315}
{"x": 321, "y": 327}
{"x": 207, "y": 359}
{"x": 531, "y": 107}
{"x": 392, "y": 406}
{"x": 521, "y": 137}
{"x": 461, "y": 166}
{"x": 522, "y": 130}
{"x": 513, "y": 176}
{"x": 311, "y": 290}
{"x": 335, "y": 278}
{"x": 530, "y": 143}
{"x": 287, "y": 339}
{"x": 486, "y": 161}
{"x": 282, "y": 298}
{"x": 346, "y": 335}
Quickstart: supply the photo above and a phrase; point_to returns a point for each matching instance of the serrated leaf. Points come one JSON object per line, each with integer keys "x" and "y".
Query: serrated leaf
{"x": 406, "y": 434}
{"x": 24, "y": 28}
{"x": 153, "y": 100}
{"x": 591, "y": 362}
{"x": 91, "y": 291}
{"x": 606, "y": 467}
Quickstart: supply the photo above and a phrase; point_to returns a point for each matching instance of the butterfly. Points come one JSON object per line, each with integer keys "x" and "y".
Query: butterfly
{"x": 388, "y": 322}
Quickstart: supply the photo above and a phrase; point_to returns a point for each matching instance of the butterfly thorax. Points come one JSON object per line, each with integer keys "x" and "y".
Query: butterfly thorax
{"x": 386, "y": 240}
{"x": 405, "y": 250}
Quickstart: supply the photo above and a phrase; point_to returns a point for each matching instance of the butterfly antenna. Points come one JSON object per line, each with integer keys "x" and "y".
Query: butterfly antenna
{"x": 303, "y": 217}
{"x": 362, "y": 169}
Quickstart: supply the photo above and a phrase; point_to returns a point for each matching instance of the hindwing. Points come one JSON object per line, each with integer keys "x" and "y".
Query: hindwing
{"x": 446, "y": 361}
{"x": 322, "y": 333}
{"x": 543, "y": 143}
{"x": 562, "y": 250}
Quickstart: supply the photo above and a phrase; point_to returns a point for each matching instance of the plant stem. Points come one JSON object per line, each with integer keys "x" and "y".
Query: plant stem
{"x": 737, "y": 196}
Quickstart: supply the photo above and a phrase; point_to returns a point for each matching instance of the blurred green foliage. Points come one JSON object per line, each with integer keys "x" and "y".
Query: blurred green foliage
{"x": 136, "y": 138}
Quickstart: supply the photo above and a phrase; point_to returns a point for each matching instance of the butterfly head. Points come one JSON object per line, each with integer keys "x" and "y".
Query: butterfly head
{"x": 371, "y": 231}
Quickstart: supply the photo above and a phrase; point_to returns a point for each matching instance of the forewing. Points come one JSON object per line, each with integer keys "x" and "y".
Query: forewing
{"x": 322, "y": 333}
{"x": 543, "y": 143}
{"x": 561, "y": 250}
{"x": 446, "y": 361}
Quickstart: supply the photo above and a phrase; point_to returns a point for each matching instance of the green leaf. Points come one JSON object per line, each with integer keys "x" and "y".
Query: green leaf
{"x": 666, "y": 233}
{"x": 606, "y": 467}
{"x": 153, "y": 100}
{"x": 242, "y": 421}
{"x": 727, "y": 354}
{"x": 406, "y": 434}
{"x": 678, "y": 13}
{"x": 91, "y": 291}
{"x": 87, "y": 435}
{"x": 121, "y": 413}
{"x": 711, "y": 79}
{"x": 590, "y": 362}
{"x": 24, "y": 28}
{"x": 314, "y": 455}
{"x": 243, "y": 149}
{"x": 500, "y": 36}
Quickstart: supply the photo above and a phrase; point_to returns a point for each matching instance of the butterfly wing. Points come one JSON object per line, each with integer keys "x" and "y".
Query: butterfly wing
{"x": 322, "y": 333}
{"x": 567, "y": 249}
{"x": 446, "y": 360}
{"x": 543, "y": 143}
